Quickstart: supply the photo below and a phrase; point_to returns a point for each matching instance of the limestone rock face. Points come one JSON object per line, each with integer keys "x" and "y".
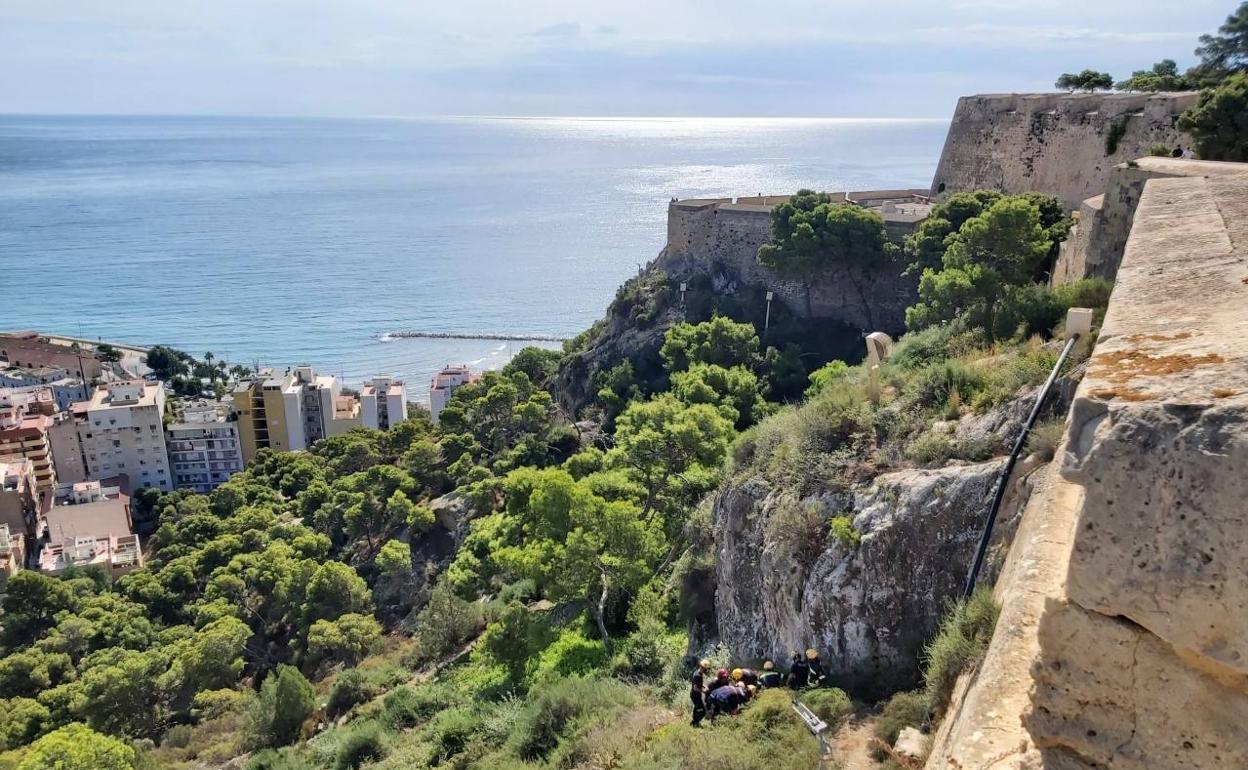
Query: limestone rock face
{"x": 867, "y": 607}
{"x": 401, "y": 598}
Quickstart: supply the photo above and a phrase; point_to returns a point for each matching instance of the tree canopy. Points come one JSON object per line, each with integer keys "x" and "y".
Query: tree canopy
{"x": 1087, "y": 80}
{"x": 811, "y": 235}
{"x": 1164, "y": 76}
{"x": 1218, "y": 122}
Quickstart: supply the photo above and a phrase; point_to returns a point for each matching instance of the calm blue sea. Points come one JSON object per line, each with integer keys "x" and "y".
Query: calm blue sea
{"x": 287, "y": 241}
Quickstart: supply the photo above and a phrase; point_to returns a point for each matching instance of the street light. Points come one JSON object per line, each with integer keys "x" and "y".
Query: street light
{"x": 767, "y": 319}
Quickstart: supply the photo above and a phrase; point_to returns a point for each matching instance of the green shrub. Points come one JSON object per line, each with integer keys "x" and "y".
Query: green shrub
{"x": 960, "y": 645}
{"x": 1113, "y": 136}
{"x": 1159, "y": 151}
{"x": 831, "y": 704}
{"x": 842, "y": 530}
{"x": 572, "y": 654}
{"x": 1045, "y": 438}
{"x": 405, "y": 707}
{"x": 905, "y": 709}
{"x": 450, "y": 731}
{"x": 445, "y": 623}
{"x": 1005, "y": 375}
{"x": 935, "y": 384}
{"x": 178, "y": 737}
{"x": 362, "y": 744}
{"x": 799, "y": 529}
{"x": 768, "y": 713}
{"x": 552, "y": 713}
{"x": 350, "y": 689}
{"x": 826, "y": 375}
{"x": 286, "y": 700}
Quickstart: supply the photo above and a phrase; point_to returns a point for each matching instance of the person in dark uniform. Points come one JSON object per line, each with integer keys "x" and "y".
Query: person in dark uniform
{"x": 799, "y": 672}
{"x": 726, "y": 699}
{"x": 816, "y": 668}
{"x": 697, "y": 691}
{"x": 771, "y": 677}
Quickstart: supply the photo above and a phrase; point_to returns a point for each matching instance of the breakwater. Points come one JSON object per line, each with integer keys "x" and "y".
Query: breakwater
{"x": 405, "y": 334}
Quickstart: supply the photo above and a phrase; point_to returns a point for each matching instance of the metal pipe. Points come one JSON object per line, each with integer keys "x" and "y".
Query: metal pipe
{"x": 972, "y": 577}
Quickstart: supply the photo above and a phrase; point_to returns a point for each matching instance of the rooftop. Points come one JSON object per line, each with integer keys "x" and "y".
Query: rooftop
{"x": 98, "y": 519}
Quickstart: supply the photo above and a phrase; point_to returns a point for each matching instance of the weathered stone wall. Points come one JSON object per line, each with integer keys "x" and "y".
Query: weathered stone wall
{"x": 1053, "y": 143}
{"x": 1096, "y": 245}
{"x": 1134, "y": 654}
{"x": 717, "y": 233}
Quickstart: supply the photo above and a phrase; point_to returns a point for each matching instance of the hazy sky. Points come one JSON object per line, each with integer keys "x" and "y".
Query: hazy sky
{"x": 562, "y": 57}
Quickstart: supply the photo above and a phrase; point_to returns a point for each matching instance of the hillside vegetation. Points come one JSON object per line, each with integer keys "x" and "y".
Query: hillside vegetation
{"x": 302, "y": 616}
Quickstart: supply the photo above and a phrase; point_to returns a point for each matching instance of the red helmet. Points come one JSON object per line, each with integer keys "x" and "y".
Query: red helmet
{"x": 722, "y": 673}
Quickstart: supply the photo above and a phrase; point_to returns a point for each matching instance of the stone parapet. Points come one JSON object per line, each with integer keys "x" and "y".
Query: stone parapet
{"x": 1124, "y": 641}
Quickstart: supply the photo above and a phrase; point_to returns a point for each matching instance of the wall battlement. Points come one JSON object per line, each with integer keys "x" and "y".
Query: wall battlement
{"x": 1055, "y": 143}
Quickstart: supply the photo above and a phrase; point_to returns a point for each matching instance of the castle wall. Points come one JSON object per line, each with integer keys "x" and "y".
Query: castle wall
{"x": 1096, "y": 246}
{"x": 1053, "y": 143}
{"x": 716, "y": 234}
{"x": 1123, "y": 641}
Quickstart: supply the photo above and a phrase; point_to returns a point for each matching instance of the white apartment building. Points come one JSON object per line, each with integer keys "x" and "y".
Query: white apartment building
{"x": 204, "y": 445}
{"x": 443, "y": 386}
{"x": 65, "y": 389}
{"x": 123, "y": 433}
{"x": 383, "y": 403}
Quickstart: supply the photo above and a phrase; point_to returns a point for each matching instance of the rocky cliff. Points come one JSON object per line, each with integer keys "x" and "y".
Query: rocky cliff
{"x": 1061, "y": 144}
{"x": 871, "y": 600}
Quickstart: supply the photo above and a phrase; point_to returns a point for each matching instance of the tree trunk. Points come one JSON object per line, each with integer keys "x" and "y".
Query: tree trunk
{"x": 600, "y": 615}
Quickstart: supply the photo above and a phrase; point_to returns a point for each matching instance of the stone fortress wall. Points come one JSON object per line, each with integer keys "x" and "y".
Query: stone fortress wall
{"x": 1053, "y": 142}
{"x": 728, "y": 232}
{"x": 1123, "y": 638}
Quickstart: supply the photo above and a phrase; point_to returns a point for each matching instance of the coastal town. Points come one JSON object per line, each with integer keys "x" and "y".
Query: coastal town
{"x": 84, "y": 428}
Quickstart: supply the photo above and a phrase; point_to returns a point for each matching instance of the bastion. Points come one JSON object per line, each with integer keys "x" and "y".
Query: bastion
{"x": 1062, "y": 144}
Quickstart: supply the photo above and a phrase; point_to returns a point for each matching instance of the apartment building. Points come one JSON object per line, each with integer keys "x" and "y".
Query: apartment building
{"x": 68, "y": 459}
{"x": 91, "y": 527}
{"x": 346, "y": 415}
{"x": 285, "y": 412}
{"x": 444, "y": 384}
{"x": 383, "y": 402}
{"x": 204, "y": 445}
{"x": 24, "y": 435}
{"x": 57, "y": 381}
{"x": 12, "y": 554}
{"x": 123, "y": 433}
{"x": 20, "y": 502}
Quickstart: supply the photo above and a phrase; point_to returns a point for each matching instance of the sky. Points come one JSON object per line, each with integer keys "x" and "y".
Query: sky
{"x": 813, "y": 58}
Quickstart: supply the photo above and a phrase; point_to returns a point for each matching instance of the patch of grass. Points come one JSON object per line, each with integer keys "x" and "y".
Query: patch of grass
{"x": 905, "y": 709}
{"x": 556, "y": 710}
{"x": 406, "y": 706}
{"x": 960, "y": 645}
{"x": 1045, "y": 438}
{"x": 832, "y": 705}
{"x": 799, "y": 529}
{"x": 933, "y": 449}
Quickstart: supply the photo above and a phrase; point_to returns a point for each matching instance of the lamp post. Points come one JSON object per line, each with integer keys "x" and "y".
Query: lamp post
{"x": 767, "y": 318}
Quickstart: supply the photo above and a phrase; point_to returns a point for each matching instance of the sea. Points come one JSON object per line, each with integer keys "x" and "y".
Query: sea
{"x": 284, "y": 241}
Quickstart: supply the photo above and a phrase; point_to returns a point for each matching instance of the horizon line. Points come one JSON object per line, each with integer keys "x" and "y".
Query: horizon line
{"x": 500, "y": 117}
